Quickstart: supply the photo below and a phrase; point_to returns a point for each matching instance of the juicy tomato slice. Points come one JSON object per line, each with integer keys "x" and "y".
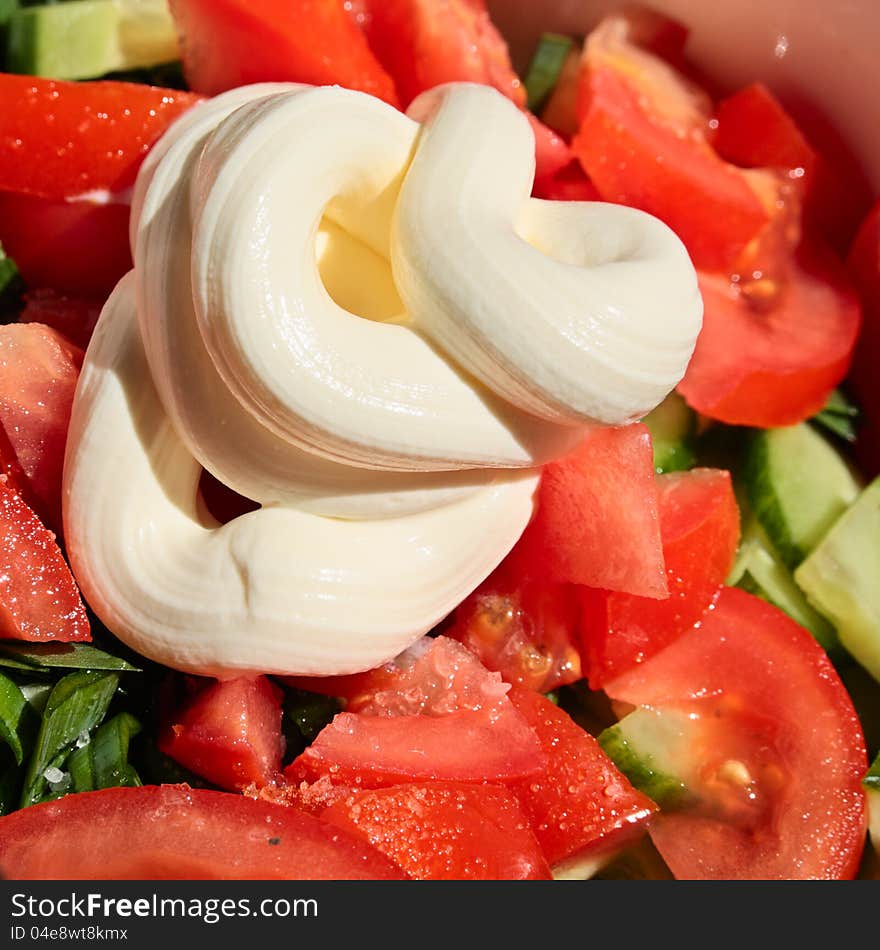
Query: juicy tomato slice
{"x": 75, "y": 247}
{"x": 580, "y": 805}
{"x": 596, "y": 521}
{"x": 699, "y": 525}
{"x": 526, "y": 630}
{"x": 772, "y": 349}
{"x": 39, "y": 599}
{"x": 643, "y": 142}
{"x": 229, "y": 43}
{"x": 778, "y": 713}
{"x": 229, "y": 732}
{"x": 864, "y": 267}
{"x": 73, "y": 317}
{"x": 173, "y": 832}
{"x": 437, "y": 714}
{"x": 425, "y": 43}
{"x": 39, "y": 369}
{"x": 64, "y": 139}
{"x": 552, "y": 153}
{"x": 445, "y": 831}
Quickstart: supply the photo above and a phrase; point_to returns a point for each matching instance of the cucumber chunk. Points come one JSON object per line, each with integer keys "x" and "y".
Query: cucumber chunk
{"x": 673, "y": 426}
{"x": 872, "y": 788}
{"x": 798, "y": 485}
{"x": 759, "y": 570}
{"x": 651, "y": 748}
{"x": 82, "y": 39}
{"x": 840, "y": 578}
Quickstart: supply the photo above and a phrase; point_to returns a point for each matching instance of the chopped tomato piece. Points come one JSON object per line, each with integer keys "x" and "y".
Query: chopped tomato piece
{"x": 229, "y": 732}
{"x": 64, "y": 139}
{"x": 38, "y": 373}
{"x": 39, "y": 599}
{"x": 445, "y": 831}
{"x": 11, "y": 474}
{"x": 699, "y": 525}
{"x": 73, "y": 317}
{"x": 772, "y": 348}
{"x": 439, "y": 715}
{"x": 786, "y": 754}
{"x": 568, "y": 184}
{"x": 643, "y": 142}
{"x": 463, "y": 746}
{"x": 864, "y": 267}
{"x": 425, "y": 43}
{"x": 174, "y": 832}
{"x": 75, "y": 247}
{"x": 580, "y": 805}
{"x": 596, "y": 520}
{"x": 754, "y": 131}
{"x": 229, "y": 43}
{"x": 526, "y": 630}
{"x": 552, "y": 153}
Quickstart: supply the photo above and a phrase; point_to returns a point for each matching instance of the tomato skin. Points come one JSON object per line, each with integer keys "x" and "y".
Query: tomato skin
{"x": 425, "y": 43}
{"x": 96, "y": 140}
{"x": 774, "y": 363}
{"x": 567, "y": 184}
{"x": 699, "y": 525}
{"x": 39, "y": 369}
{"x": 596, "y": 521}
{"x": 863, "y": 265}
{"x": 74, "y": 247}
{"x": 229, "y": 732}
{"x": 73, "y": 317}
{"x": 762, "y": 671}
{"x": 637, "y": 156}
{"x": 445, "y": 831}
{"x": 229, "y": 43}
{"x": 39, "y": 599}
{"x": 174, "y": 832}
{"x": 602, "y": 811}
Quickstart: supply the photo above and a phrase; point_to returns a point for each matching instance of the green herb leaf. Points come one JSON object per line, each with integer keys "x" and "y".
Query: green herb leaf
{"x": 75, "y": 706}
{"x": 545, "y": 67}
{"x": 872, "y": 779}
{"x": 103, "y": 762}
{"x": 17, "y": 718}
{"x": 70, "y": 656}
{"x": 11, "y": 284}
{"x": 839, "y": 416}
{"x": 305, "y": 715}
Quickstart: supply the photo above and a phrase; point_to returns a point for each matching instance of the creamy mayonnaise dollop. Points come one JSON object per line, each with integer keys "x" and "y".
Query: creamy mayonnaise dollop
{"x": 365, "y": 324}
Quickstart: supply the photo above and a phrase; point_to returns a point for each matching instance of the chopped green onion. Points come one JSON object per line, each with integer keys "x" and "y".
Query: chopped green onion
{"x": 545, "y": 67}
{"x": 77, "y": 703}
{"x": 14, "y": 714}
{"x": 71, "y": 656}
{"x": 102, "y": 762}
{"x": 839, "y": 416}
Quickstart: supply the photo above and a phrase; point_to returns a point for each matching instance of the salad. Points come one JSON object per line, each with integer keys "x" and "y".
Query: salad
{"x": 560, "y": 562}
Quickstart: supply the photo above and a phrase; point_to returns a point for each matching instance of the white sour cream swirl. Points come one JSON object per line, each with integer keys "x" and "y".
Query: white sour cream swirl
{"x": 395, "y": 457}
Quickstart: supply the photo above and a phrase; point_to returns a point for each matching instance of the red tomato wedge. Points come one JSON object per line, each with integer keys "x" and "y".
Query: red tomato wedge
{"x": 443, "y": 831}
{"x": 772, "y": 349}
{"x": 596, "y": 520}
{"x": 228, "y": 43}
{"x": 38, "y": 373}
{"x": 552, "y": 153}
{"x": 777, "y": 713}
{"x": 229, "y": 732}
{"x": 525, "y": 630}
{"x": 39, "y": 599}
{"x": 581, "y": 805}
{"x": 77, "y": 247}
{"x": 173, "y": 832}
{"x": 699, "y": 525}
{"x": 63, "y": 139}
{"x": 864, "y": 267}
{"x": 643, "y": 142}
{"x": 73, "y": 317}
{"x": 425, "y": 43}
{"x": 440, "y": 715}
{"x": 568, "y": 184}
